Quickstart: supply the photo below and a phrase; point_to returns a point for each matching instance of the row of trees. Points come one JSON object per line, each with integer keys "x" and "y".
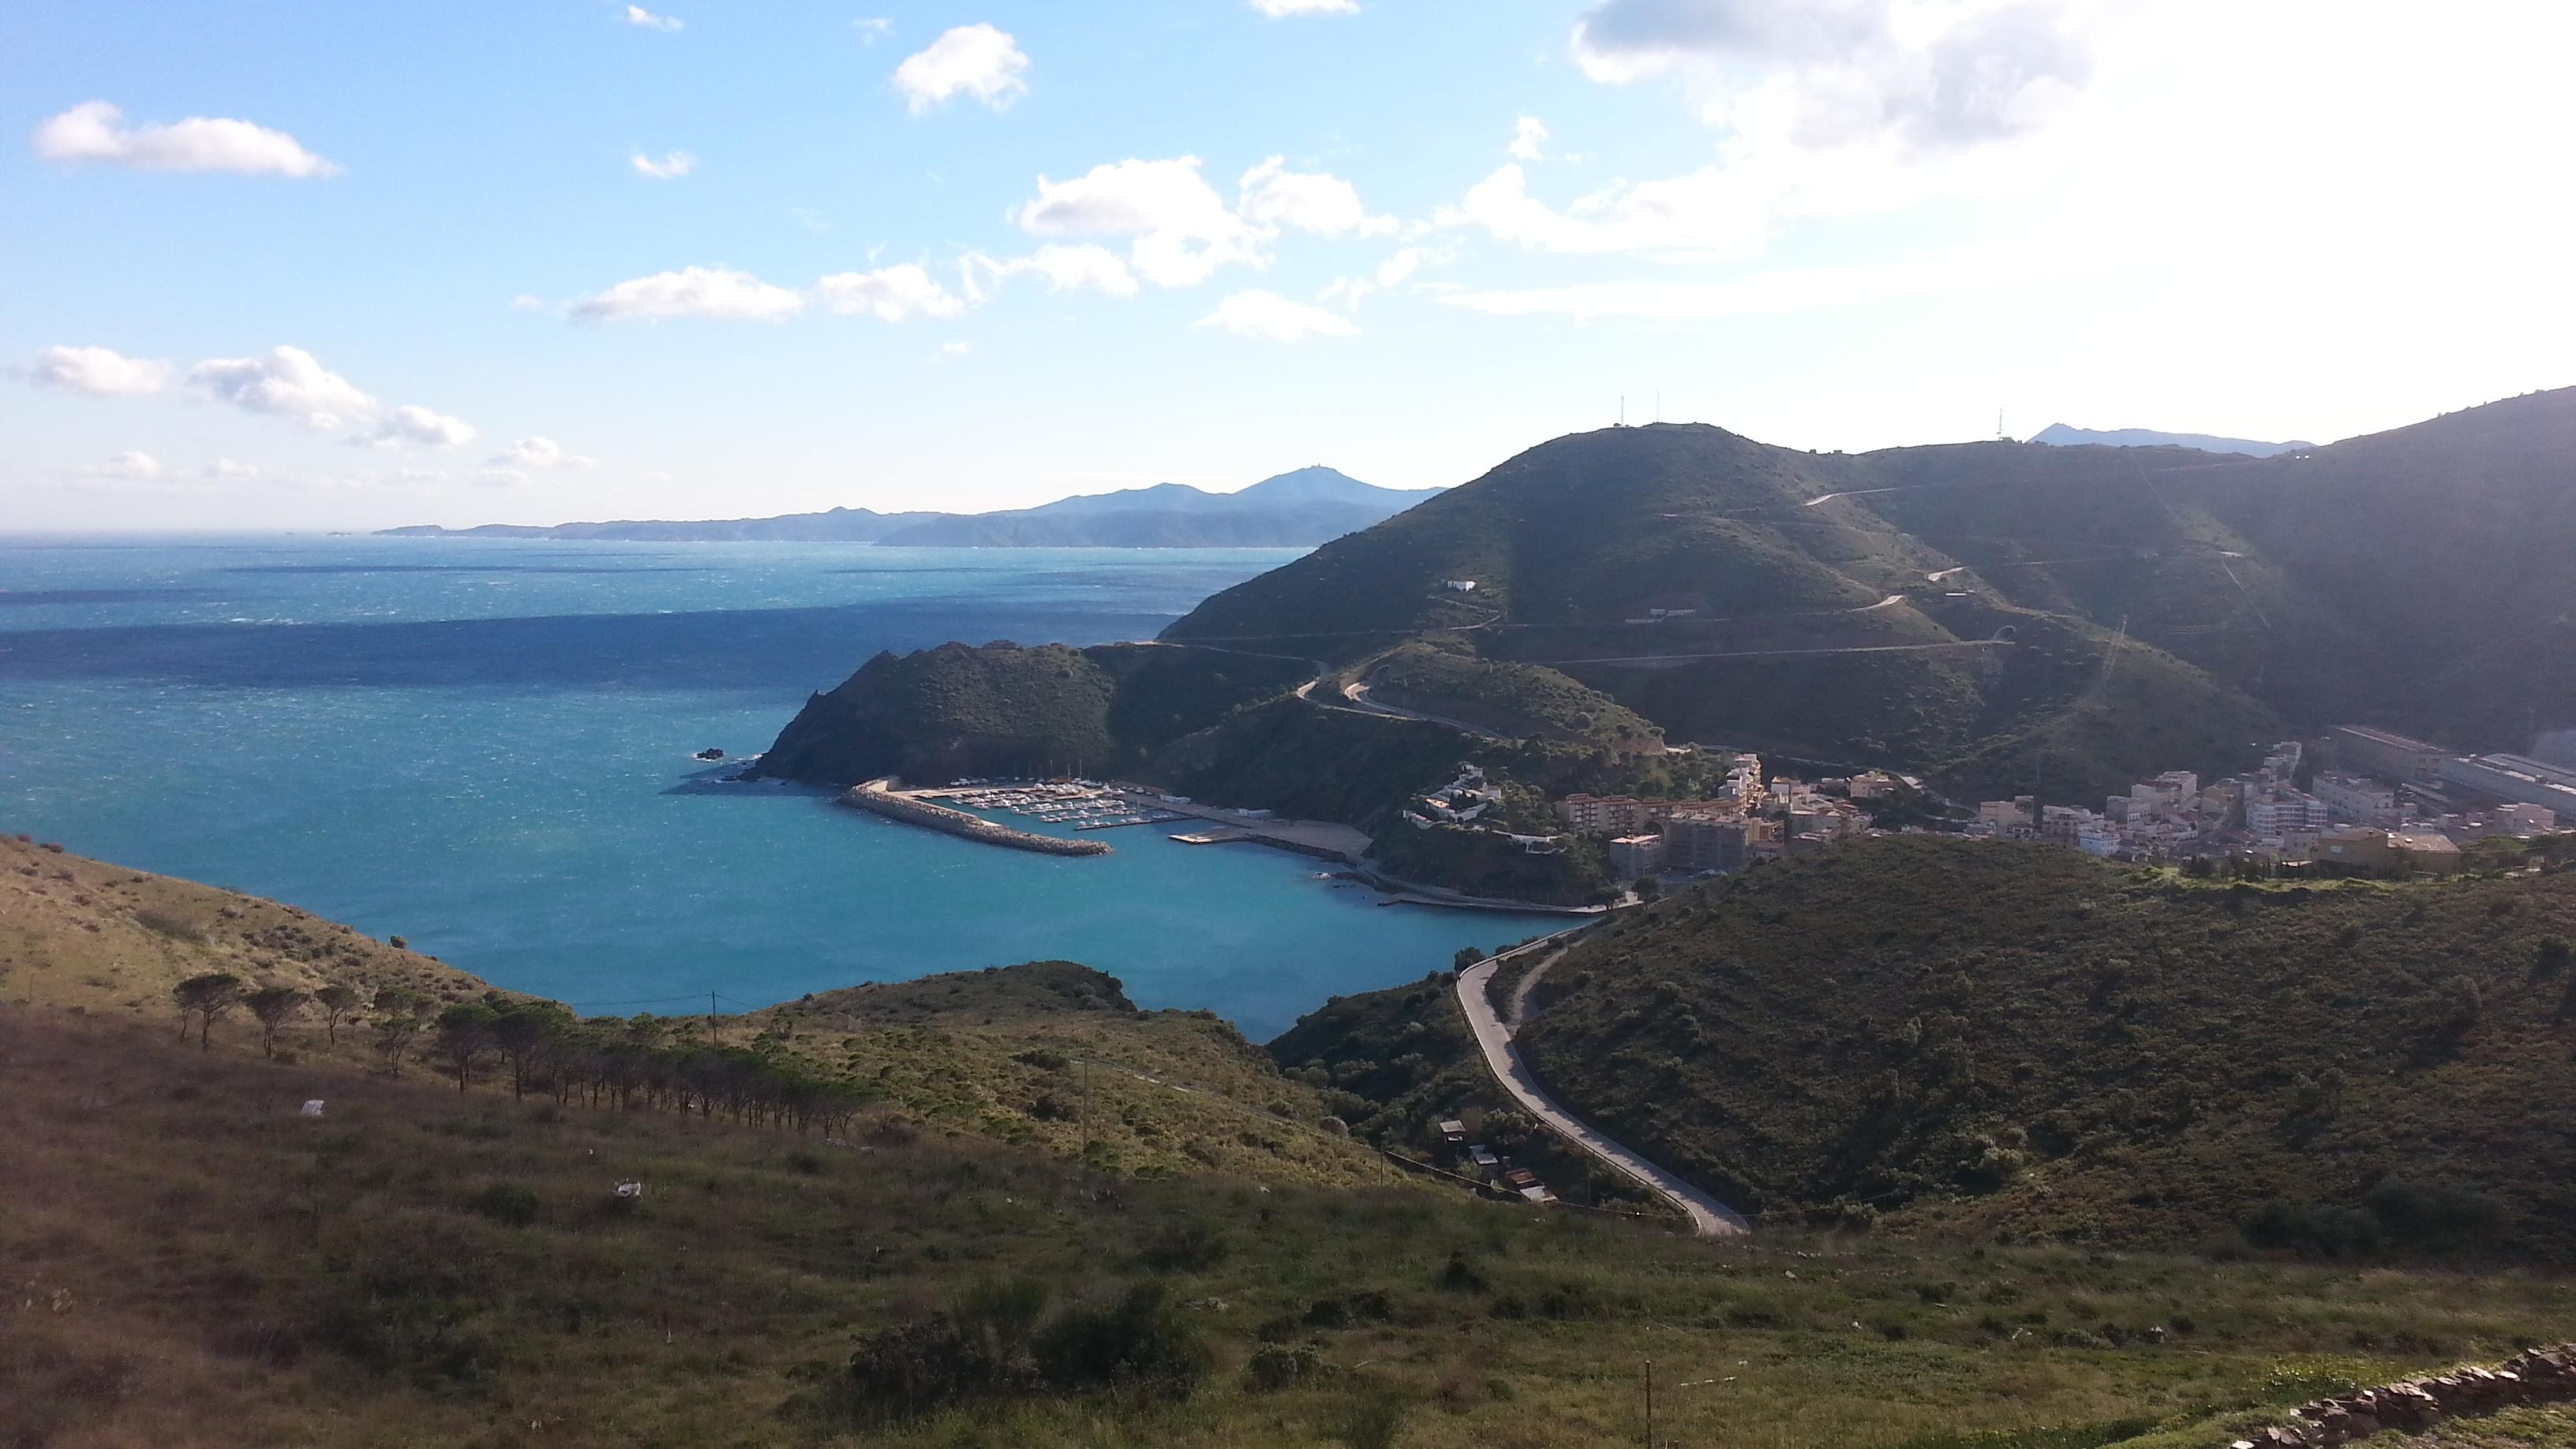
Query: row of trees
{"x": 642, "y": 1062}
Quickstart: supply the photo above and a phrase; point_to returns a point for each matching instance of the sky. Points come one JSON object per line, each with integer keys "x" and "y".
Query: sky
{"x": 332, "y": 266}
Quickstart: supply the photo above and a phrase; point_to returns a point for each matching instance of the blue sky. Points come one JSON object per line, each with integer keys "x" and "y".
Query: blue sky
{"x": 333, "y": 266}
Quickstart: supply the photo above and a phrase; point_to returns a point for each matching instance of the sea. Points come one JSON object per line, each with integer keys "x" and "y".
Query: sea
{"x": 486, "y": 747}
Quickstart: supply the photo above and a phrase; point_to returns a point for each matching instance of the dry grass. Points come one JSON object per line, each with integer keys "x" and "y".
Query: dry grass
{"x": 192, "y": 1262}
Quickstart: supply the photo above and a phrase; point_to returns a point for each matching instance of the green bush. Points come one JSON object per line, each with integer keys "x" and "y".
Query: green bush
{"x": 1140, "y": 1340}
{"x": 1275, "y": 1366}
{"x": 508, "y": 1202}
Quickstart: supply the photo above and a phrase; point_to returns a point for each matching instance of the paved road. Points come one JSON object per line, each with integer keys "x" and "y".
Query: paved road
{"x": 1709, "y": 1217}
{"x": 1358, "y": 694}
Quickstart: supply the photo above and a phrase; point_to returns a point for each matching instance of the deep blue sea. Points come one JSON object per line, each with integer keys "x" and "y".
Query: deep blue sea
{"x": 484, "y": 746}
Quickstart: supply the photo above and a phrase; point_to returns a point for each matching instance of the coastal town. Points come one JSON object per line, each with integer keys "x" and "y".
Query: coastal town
{"x": 2359, "y": 801}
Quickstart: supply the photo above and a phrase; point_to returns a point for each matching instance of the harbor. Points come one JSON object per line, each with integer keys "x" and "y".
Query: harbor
{"x": 880, "y": 797}
{"x": 1082, "y": 804}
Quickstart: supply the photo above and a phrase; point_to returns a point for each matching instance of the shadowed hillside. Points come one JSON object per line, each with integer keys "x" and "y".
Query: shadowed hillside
{"x": 1957, "y": 609}
{"x": 2020, "y": 1039}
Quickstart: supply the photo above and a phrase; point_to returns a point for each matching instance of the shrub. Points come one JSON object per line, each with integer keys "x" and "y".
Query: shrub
{"x": 2315, "y": 1228}
{"x": 916, "y": 1367}
{"x": 2431, "y": 1217}
{"x": 1278, "y": 1366}
{"x": 1141, "y": 1340}
{"x": 1042, "y": 1059}
{"x": 171, "y": 924}
{"x": 1190, "y": 1246}
{"x": 508, "y": 1202}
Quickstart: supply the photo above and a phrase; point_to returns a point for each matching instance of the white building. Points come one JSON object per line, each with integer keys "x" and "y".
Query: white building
{"x": 2285, "y": 814}
{"x": 1634, "y": 857}
{"x": 2358, "y": 800}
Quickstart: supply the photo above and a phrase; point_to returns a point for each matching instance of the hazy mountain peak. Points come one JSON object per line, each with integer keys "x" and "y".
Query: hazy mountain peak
{"x": 2063, "y": 436}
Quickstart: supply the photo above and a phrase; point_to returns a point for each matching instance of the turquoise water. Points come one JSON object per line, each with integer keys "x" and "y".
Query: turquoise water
{"x": 484, "y": 746}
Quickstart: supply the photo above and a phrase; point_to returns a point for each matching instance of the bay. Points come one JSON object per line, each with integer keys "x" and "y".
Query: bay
{"x": 484, "y": 746}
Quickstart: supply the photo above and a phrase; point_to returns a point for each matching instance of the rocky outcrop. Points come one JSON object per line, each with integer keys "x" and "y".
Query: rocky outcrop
{"x": 2538, "y": 1376}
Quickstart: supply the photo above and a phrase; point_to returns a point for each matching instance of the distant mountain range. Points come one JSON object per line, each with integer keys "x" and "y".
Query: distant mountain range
{"x": 1292, "y": 510}
{"x": 2060, "y": 435}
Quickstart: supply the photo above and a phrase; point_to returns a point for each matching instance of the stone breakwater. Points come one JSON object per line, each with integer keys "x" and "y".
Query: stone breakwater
{"x": 877, "y": 797}
{"x": 2538, "y": 1376}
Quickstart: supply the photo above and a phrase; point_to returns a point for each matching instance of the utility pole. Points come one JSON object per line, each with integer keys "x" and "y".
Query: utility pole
{"x": 711, "y": 1018}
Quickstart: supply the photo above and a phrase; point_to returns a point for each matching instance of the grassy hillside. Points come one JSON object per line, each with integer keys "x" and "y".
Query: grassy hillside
{"x": 2020, "y": 1040}
{"x": 197, "y": 1265}
{"x": 193, "y": 1262}
{"x": 1052, "y": 1055}
{"x": 1520, "y": 700}
{"x": 82, "y": 933}
{"x": 1945, "y": 609}
{"x": 1049, "y": 1055}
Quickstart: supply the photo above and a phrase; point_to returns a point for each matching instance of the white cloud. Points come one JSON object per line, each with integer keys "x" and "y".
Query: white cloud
{"x": 131, "y": 467}
{"x": 1718, "y": 213}
{"x": 1314, "y": 201}
{"x": 975, "y": 60}
{"x": 1181, "y": 230}
{"x": 889, "y": 294}
{"x": 287, "y": 383}
{"x": 1395, "y": 271}
{"x": 419, "y": 427}
{"x": 99, "y": 372}
{"x": 1818, "y": 75}
{"x": 670, "y": 166}
{"x": 713, "y": 292}
{"x": 872, "y": 29}
{"x": 90, "y": 132}
{"x": 1529, "y": 140}
{"x": 638, "y": 15}
{"x": 544, "y": 454}
{"x": 957, "y": 349}
{"x": 1278, "y": 8}
{"x": 501, "y": 478}
{"x": 290, "y": 383}
{"x": 1274, "y": 318}
{"x": 228, "y": 468}
{"x": 1065, "y": 268}
{"x": 528, "y": 302}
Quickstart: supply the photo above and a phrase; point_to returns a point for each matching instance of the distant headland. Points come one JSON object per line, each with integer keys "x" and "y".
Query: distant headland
{"x": 1293, "y": 510}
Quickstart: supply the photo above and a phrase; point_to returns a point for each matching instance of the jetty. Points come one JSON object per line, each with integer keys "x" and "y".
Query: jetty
{"x": 880, "y": 797}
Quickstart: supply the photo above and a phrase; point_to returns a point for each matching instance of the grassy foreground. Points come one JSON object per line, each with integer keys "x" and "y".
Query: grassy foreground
{"x": 198, "y": 1264}
{"x": 192, "y": 1261}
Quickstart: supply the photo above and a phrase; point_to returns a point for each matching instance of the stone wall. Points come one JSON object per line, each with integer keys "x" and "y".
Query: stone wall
{"x": 2538, "y": 1376}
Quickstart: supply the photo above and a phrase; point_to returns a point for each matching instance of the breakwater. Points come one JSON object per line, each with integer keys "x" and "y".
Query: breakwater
{"x": 878, "y": 797}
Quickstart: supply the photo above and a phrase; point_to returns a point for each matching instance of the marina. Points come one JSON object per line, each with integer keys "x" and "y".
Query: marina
{"x": 1082, "y": 804}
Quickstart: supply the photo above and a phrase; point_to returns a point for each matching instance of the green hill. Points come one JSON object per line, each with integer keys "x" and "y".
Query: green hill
{"x": 1002, "y": 709}
{"x": 1048, "y": 1055}
{"x": 194, "y": 1261}
{"x": 2021, "y": 1040}
{"x": 1995, "y": 614}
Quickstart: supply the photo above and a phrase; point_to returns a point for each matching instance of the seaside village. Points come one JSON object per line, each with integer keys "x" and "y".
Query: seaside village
{"x": 2363, "y": 801}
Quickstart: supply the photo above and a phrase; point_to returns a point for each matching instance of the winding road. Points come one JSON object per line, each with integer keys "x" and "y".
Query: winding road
{"x": 1709, "y": 1218}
